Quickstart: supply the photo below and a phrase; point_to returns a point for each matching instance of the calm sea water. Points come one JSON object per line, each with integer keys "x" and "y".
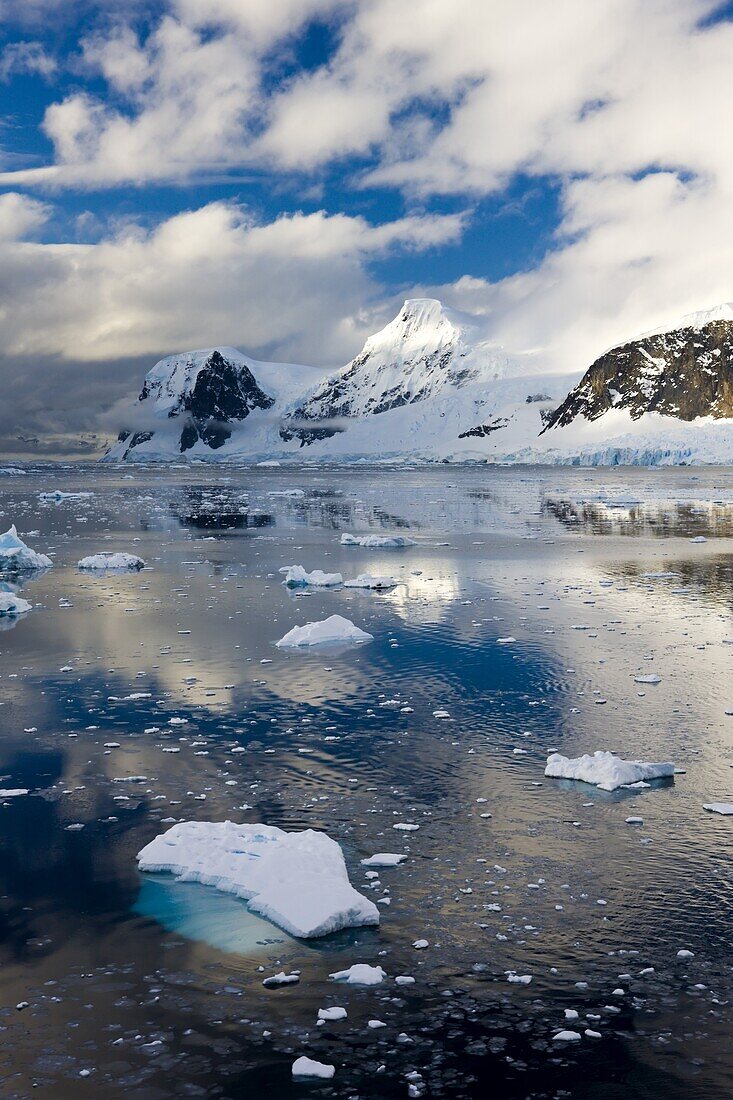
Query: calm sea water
{"x": 138, "y": 985}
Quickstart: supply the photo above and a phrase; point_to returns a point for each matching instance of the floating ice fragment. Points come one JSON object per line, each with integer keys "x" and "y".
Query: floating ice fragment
{"x": 725, "y": 808}
{"x": 106, "y": 562}
{"x": 296, "y": 880}
{"x": 333, "y": 629}
{"x": 17, "y": 557}
{"x": 377, "y": 542}
{"x": 383, "y": 859}
{"x": 370, "y": 580}
{"x": 650, "y": 679}
{"x": 605, "y": 770}
{"x": 360, "y": 974}
{"x": 306, "y": 1067}
{"x": 12, "y": 605}
{"x": 297, "y": 577}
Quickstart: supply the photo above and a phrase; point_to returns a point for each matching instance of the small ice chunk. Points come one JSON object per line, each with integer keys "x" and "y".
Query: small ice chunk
{"x": 307, "y": 1067}
{"x": 605, "y": 770}
{"x": 281, "y": 979}
{"x": 117, "y": 562}
{"x": 333, "y": 629}
{"x": 370, "y": 580}
{"x": 384, "y": 859}
{"x": 724, "y": 808}
{"x": 360, "y": 974}
{"x": 650, "y": 679}
{"x": 331, "y": 1014}
{"x": 297, "y": 577}
{"x": 566, "y": 1037}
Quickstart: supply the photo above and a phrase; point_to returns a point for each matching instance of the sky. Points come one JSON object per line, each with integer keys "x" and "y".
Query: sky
{"x": 278, "y": 175}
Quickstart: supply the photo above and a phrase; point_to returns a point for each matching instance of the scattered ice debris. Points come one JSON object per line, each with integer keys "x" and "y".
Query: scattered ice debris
{"x": 370, "y": 580}
{"x": 377, "y": 542}
{"x": 297, "y": 880}
{"x": 56, "y": 496}
{"x": 333, "y": 629}
{"x": 281, "y": 979}
{"x": 12, "y": 605}
{"x": 360, "y": 974}
{"x": 307, "y": 1067}
{"x": 384, "y": 859}
{"x": 17, "y": 557}
{"x": 297, "y": 577}
{"x": 112, "y": 562}
{"x": 328, "y": 1015}
{"x": 725, "y": 808}
{"x": 606, "y": 770}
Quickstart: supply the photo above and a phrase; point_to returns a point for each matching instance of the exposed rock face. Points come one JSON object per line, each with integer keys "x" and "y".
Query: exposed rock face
{"x": 427, "y": 348}
{"x": 686, "y": 373}
{"x": 208, "y": 391}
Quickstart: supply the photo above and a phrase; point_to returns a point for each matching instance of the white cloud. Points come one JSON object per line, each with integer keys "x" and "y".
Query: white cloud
{"x": 294, "y": 289}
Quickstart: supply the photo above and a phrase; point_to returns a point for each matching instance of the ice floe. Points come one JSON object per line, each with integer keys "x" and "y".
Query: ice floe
{"x": 724, "y": 808}
{"x": 12, "y": 604}
{"x": 360, "y": 974}
{"x": 377, "y": 542}
{"x": 297, "y": 577}
{"x": 296, "y": 880}
{"x": 369, "y": 580}
{"x": 606, "y": 770}
{"x": 17, "y": 557}
{"x": 333, "y": 629}
{"x": 307, "y": 1067}
{"x": 108, "y": 562}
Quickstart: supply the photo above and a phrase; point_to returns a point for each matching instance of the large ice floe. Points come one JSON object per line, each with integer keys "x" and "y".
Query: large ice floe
{"x": 297, "y": 577}
{"x": 333, "y": 629}
{"x": 377, "y": 542}
{"x": 605, "y": 770}
{"x": 17, "y": 557}
{"x": 11, "y": 604}
{"x": 296, "y": 880}
{"x": 106, "y": 562}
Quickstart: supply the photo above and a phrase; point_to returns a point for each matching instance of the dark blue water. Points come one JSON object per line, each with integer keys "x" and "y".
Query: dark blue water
{"x": 146, "y": 986}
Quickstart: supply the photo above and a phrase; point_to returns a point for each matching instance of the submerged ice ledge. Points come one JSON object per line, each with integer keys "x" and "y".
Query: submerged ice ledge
{"x": 296, "y": 880}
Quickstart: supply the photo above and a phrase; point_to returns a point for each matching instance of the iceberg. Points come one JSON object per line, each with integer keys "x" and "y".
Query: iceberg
{"x": 297, "y": 577}
{"x": 333, "y": 629}
{"x": 605, "y": 770}
{"x": 16, "y": 557}
{"x": 307, "y": 1067}
{"x": 297, "y": 881}
{"x": 12, "y": 605}
{"x": 377, "y": 542}
{"x": 118, "y": 562}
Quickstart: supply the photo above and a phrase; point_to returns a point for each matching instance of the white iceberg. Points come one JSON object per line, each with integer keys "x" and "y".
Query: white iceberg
{"x": 307, "y": 1067}
{"x": 297, "y": 880}
{"x": 118, "y": 562}
{"x": 369, "y": 580}
{"x": 16, "y": 557}
{"x": 377, "y": 542}
{"x": 333, "y": 629}
{"x": 12, "y": 605}
{"x": 297, "y": 577}
{"x": 605, "y": 770}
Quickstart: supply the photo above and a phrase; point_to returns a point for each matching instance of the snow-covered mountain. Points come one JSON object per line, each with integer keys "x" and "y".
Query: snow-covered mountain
{"x": 428, "y": 349}
{"x": 193, "y": 403}
{"x": 430, "y": 386}
{"x": 666, "y": 396}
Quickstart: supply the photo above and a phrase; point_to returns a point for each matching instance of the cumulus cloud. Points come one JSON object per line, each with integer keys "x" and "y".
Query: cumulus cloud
{"x": 618, "y": 102}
